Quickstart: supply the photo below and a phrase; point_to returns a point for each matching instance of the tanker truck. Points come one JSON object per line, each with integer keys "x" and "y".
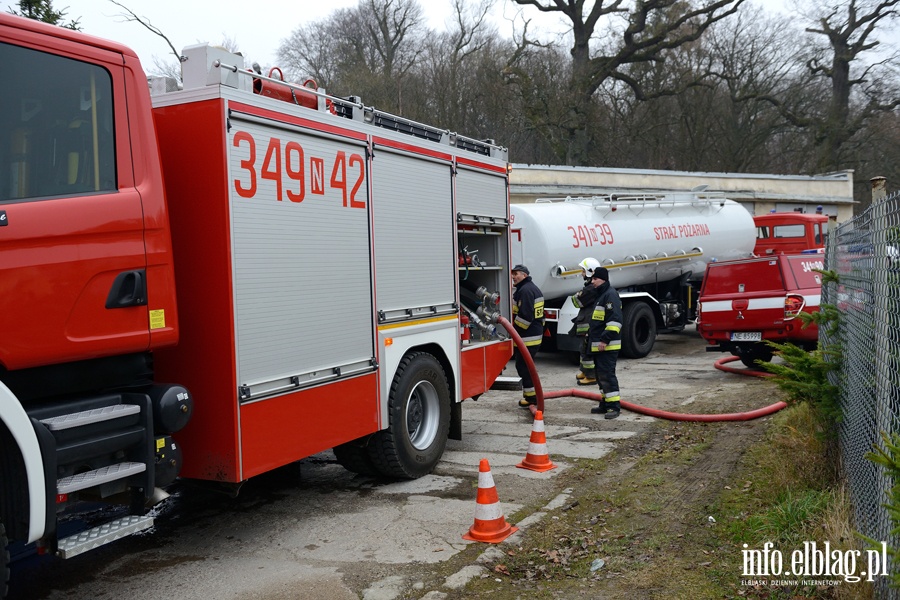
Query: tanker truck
{"x": 655, "y": 245}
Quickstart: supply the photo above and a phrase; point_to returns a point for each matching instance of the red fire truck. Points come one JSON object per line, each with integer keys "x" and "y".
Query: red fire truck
{"x": 225, "y": 278}
{"x": 746, "y": 303}
{"x": 790, "y": 232}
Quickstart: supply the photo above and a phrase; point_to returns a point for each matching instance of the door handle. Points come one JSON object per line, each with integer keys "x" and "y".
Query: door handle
{"x": 128, "y": 289}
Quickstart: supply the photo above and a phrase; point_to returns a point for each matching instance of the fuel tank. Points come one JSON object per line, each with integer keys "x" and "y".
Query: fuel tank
{"x": 640, "y": 239}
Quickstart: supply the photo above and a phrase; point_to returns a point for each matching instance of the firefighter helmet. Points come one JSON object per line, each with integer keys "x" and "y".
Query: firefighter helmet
{"x": 588, "y": 265}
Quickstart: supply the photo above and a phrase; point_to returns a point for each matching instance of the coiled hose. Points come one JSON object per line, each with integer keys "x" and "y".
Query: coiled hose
{"x": 651, "y": 412}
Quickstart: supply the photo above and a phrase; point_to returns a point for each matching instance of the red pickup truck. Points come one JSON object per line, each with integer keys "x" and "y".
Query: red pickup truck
{"x": 744, "y": 303}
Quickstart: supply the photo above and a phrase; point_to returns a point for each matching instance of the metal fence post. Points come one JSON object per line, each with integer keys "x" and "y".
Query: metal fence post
{"x": 885, "y": 304}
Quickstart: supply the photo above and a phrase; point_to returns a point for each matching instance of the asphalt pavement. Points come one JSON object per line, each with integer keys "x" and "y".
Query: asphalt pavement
{"x": 314, "y": 530}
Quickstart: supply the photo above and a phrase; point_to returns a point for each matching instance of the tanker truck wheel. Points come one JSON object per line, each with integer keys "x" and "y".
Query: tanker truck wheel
{"x": 638, "y": 330}
{"x": 419, "y": 415}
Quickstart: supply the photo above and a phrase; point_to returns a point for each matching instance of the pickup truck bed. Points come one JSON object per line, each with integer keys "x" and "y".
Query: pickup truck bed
{"x": 744, "y": 303}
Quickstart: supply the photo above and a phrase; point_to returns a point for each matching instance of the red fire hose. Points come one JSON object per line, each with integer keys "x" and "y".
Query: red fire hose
{"x": 673, "y": 416}
{"x": 720, "y": 364}
{"x": 651, "y": 412}
{"x": 529, "y": 362}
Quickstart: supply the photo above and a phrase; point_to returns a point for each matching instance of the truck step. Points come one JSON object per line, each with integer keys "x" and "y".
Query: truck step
{"x": 82, "y": 481}
{"x": 507, "y": 383}
{"x": 86, "y": 417}
{"x": 102, "y": 534}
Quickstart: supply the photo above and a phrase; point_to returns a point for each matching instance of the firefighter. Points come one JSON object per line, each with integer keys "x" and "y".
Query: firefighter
{"x": 528, "y": 321}
{"x": 605, "y": 339}
{"x": 584, "y": 302}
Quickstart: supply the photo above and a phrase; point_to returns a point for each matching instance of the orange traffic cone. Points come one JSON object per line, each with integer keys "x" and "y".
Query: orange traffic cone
{"x": 537, "y": 459}
{"x": 490, "y": 524}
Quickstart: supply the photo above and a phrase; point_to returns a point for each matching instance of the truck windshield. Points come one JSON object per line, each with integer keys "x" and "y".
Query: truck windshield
{"x": 56, "y": 125}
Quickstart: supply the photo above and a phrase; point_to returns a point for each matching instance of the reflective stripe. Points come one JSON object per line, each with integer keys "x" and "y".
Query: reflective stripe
{"x": 599, "y": 313}
{"x": 611, "y": 345}
{"x": 485, "y": 479}
{"x": 613, "y": 328}
{"x": 488, "y": 512}
{"x": 812, "y": 301}
{"x": 522, "y": 323}
{"x": 612, "y": 397}
{"x": 535, "y": 449}
{"x": 532, "y": 340}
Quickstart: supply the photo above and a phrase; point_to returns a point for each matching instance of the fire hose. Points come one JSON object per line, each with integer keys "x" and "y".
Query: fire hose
{"x": 651, "y": 412}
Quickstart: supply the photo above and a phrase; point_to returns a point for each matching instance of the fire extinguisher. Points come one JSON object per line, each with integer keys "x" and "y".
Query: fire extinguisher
{"x": 464, "y": 332}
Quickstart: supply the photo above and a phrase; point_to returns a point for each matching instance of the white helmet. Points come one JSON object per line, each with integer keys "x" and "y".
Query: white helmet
{"x": 588, "y": 265}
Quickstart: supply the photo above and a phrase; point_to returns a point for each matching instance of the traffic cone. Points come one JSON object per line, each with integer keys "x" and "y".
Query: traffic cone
{"x": 537, "y": 459}
{"x": 490, "y": 525}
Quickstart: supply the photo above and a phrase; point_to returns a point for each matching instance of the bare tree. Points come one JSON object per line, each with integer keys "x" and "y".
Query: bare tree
{"x": 637, "y": 31}
{"x": 367, "y": 51}
{"x": 859, "y": 89}
{"x": 313, "y": 49}
{"x": 450, "y": 66}
{"x": 753, "y": 54}
{"x": 130, "y": 16}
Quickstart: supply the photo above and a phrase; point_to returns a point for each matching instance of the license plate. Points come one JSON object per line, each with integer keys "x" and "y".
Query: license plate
{"x": 746, "y": 336}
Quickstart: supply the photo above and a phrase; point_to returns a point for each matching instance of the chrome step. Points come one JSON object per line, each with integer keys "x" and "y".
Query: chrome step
{"x": 86, "y": 417}
{"x": 82, "y": 481}
{"x": 102, "y": 534}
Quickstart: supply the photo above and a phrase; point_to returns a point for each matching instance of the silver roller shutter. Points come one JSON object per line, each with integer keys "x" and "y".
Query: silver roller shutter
{"x": 302, "y": 285}
{"x": 414, "y": 230}
{"x": 480, "y": 194}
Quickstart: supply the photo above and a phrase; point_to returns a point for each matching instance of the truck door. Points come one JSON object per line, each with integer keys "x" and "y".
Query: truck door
{"x": 72, "y": 258}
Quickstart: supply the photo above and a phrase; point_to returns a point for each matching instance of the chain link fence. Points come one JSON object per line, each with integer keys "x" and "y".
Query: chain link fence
{"x": 865, "y": 254}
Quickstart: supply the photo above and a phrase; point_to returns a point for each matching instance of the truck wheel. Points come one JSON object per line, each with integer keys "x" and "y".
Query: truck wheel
{"x": 354, "y": 456}
{"x": 638, "y": 330}
{"x": 419, "y": 419}
{"x": 4, "y": 561}
{"x": 758, "y": 352}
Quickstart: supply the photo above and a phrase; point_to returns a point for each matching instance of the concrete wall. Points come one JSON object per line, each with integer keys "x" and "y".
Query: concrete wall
{"x": 759, "y": 193}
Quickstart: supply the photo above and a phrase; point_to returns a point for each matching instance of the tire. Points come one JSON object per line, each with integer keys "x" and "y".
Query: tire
{"x": 4, "y": 562}
{"x": 749, "y": 355}
{"x": 419, "y": 420}
{"x": 638, "y": 330}
{"x": 354, "y": 456}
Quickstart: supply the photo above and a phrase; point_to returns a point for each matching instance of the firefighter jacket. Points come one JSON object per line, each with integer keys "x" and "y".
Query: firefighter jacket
{"x": 584, "y": 301}
{"x": 606, "y": 319}
{"x": 528, "y": 312}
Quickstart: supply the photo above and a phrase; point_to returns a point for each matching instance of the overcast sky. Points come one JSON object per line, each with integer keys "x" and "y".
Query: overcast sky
{"x": 257, "y": 27}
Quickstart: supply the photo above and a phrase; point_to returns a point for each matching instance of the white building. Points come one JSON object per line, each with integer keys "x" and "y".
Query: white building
{"x": 759, "y": 193}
